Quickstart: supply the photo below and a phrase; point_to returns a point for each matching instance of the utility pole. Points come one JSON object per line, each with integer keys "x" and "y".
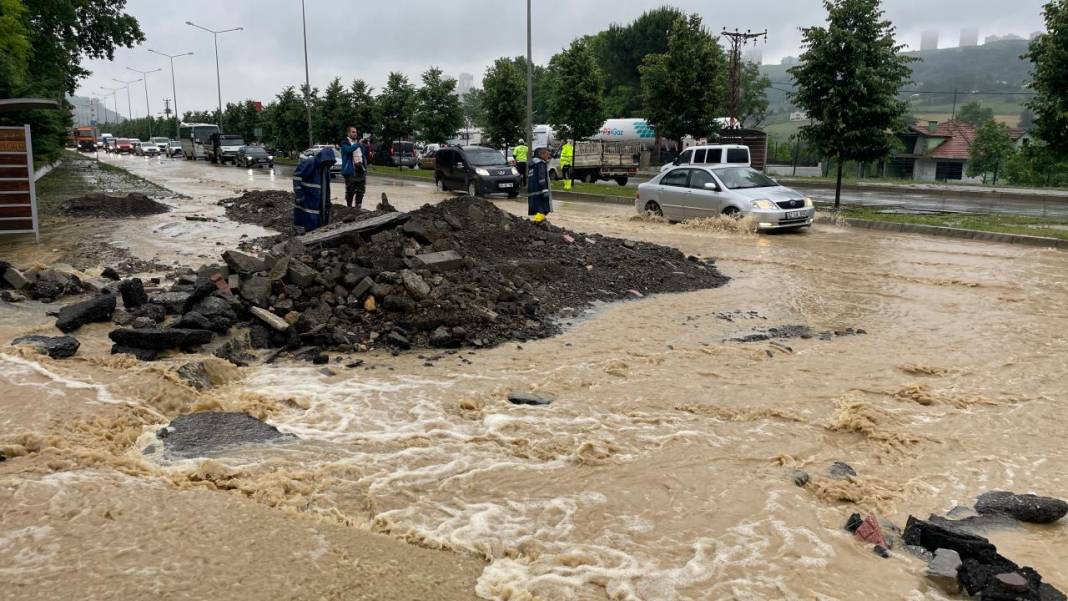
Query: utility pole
{"x": 737, "y": 40}
{"x": 167, "y": 107}
{"x": 129, "y": 105}
{"x": 307, "y": 78}
{"x": 218, "y": 77}
{"x": 148, "y": 108}
{"x": 530, "y": 84}
{"x": 174, "y": 91}
{"x": 113, "y": 92}
{"x": 954, "y": 113}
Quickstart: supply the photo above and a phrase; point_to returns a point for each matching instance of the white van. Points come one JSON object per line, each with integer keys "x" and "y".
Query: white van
{"x": 712, "y": 154}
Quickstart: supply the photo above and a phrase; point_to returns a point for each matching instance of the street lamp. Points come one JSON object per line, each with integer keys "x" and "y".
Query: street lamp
{"x": 129, "y": 106}
{"x": 148, "y": 109}
{"x": 218, "y": 78}
{"x": 307, "y": 79}
{"x": 174, "y": 92}
{"x": 97, "y": 97}
{"x": 114, "y": 100}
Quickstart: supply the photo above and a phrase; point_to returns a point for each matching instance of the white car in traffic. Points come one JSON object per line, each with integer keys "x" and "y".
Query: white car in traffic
{"x": 695, "y": 191}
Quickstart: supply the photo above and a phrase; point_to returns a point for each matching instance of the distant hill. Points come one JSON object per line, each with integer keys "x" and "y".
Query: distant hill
{"x": 996, "y": 68}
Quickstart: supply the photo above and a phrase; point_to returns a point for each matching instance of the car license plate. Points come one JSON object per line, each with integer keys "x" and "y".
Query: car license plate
{"x": 505, "y": 185}
{"x": 794, "y": 214}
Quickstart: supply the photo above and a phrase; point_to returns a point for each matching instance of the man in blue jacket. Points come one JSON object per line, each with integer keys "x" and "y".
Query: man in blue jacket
{"x": 353, "y": 168}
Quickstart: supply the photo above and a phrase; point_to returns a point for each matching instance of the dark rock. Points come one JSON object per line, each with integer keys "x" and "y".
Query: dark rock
{"x": 881, "y": 551}
{"x": 398, "y": 340}
{"x": 529, "y": 398}
{"x": 235, "y": 352}
{"x": 15, "y": 279}
{"x": 854, "y": 522}
{"x": 800, "y": 478}
{"x": 942, "y": 570}
{"x": 362, "y": 287}
{"x": 193, "y": 321}
{"x": 932, "y": 538}
{"x": 446, "y": 260}
{"x": 141, "y": 353}
{"x": 109, "y": 273}
{"x": 243, "y": 263}
{"x": 398, "y": 303}
{"x": 173, "y": 302}
{"x": 200, "y": 292}
{"x": 156, "y": 313}
{"x": 207, "y": 433}
{"x": 300, "y": 274}
{"x": 56, "y": 347}
{"x": 96, "y": 309}
{"x": 415, "y": 285}
{"x": 257, "y": 290}
{"x": 195, "y": 374}
{"x": 1004, "y": 581}
{"x": 213, "y": 306}
{"x": 442, "y": 337}
{"x": 1026, "y": 508}
{"x": 142, "y": 322}
{"x": 11, "y": 297}
{"x": 160, "y": 340}
{"x": 976, "y": 524}
{"x": 279, "y": 269}
{"x": 259, "y": 336}
{"x": 841, "y": 471}
{"x": 133, "y": 293}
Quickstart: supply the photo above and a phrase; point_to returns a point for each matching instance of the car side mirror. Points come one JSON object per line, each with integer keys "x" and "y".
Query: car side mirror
{"x": 676, "y": 161}
{"x": 712, "y": 186}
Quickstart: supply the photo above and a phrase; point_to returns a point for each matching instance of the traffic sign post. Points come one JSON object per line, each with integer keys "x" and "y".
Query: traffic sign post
{"x": 18, "y": 194}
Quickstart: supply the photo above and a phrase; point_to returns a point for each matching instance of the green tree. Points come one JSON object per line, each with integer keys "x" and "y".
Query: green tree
{"x": 576, "y": 98}
{"x": 395, "y": 106}
{"x": 541, "y": 80}
{"x": 681, "y": 88}
{"x": 620, "y": 50}
{"x": 504, "y": 102}
{"x": 848, "y": 82}
{"x": 1049, "y": 54}
{"x": 334, "y": 113}
{"x": 243, "y": 119}
{"x": 438, "y": 111}
{"x": 753, "y": 104}
{"x": 975, "y": 113}
{"x": 44, "y": 43}
{"x": 363, "y": 107}
{"x": 1035, "y": 165}
{"x": 287, "y": 123}
{"x": 990, "y": 150}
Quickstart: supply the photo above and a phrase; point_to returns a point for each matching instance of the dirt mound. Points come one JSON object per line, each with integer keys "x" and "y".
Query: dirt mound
{"x": 459, "y": 273}
{"x": 273, "y": 209}
{"x": 99, "y": 204}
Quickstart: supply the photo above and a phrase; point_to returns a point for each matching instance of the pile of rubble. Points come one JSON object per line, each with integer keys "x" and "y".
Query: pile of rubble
{"x": 99, "y": 204}
{"x": 38, "y": 283}
{"x": 273, "y": 209}
{"x": 460, "y": 273}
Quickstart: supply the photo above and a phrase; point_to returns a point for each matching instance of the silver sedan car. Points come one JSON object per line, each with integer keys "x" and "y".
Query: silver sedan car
{"x": 689, "y": 192}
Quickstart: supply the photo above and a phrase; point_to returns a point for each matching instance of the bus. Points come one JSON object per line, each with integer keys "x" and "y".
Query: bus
{"x": 195, "y": 139}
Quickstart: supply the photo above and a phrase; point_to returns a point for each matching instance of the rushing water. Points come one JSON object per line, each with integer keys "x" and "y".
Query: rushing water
{"x": 662, "y": 470}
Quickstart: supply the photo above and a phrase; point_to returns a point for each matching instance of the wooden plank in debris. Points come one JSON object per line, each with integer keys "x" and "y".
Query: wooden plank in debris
{"x": 333, "y": 236}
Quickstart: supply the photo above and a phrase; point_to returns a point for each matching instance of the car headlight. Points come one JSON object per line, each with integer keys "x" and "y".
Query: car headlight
{"x": 482, "y": 172}
{"x": 270, "y": 157}
{"x": 515, "y": 171}
{"x": 808, "y": 203}
{"x": 764, "y": 205}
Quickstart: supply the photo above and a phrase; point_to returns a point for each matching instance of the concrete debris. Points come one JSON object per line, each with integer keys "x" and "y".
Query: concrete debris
{"x": 72, "y": 317}
{"x": 1026, "y": 508}
{"x": 56, "y": 347}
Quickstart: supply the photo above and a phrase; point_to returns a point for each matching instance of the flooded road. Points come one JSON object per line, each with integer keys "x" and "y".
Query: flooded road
{"x": 661, "y": 472}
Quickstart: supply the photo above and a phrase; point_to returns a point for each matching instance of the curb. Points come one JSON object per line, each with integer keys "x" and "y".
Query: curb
{"x": 46, "y": 169}
{"x": 988, "y": 194}
{"x": 952, "y": 232}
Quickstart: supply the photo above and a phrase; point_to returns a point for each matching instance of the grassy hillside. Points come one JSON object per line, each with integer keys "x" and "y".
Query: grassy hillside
{"x": 996, "y": 69}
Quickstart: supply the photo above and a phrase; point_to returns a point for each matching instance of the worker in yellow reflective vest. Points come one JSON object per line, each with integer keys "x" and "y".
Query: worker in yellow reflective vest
{"x": 567, "y": 161}
{"x": 520, "y": 153}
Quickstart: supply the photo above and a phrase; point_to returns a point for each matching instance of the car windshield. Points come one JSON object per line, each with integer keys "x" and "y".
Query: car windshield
{"x": 231, "y": 142}
{"x": 159, "y": 140}
{"x": 255, "y": 151}
{"x": 741, "y": 178}
{"x": 485, "y": 157}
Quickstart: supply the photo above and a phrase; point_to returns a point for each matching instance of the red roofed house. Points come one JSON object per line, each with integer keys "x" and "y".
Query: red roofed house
{"x": 936, "y": 151}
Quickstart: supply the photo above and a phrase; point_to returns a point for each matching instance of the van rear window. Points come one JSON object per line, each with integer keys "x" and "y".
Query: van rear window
{"x": 737, "y": 155}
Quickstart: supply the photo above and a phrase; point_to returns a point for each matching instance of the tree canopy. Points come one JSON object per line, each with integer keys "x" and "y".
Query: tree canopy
{"x": 682, "y": 88}
{"x": 576, "y": 97}
{"x": 848, "y": 80}
{"x": 991, "y": 150}
{"x": 504, "y": 102}
{"x": 975, "y": 113}
{"x": 395, "y": 106}
{"x": 620, "y": 50}
{"x": 438, "y": 112}
{"x": 1049, "y": 55}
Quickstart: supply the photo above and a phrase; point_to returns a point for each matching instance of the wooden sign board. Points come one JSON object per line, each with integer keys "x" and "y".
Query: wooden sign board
{"x": 18, "y": 195}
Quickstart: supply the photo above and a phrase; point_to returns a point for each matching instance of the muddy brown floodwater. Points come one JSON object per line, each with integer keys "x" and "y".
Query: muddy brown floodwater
{"x": 661, "y": 471}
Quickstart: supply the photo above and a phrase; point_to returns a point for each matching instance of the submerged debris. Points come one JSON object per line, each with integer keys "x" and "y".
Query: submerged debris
{"x": 203, "y": 434}
{"x": 99, "y": 204}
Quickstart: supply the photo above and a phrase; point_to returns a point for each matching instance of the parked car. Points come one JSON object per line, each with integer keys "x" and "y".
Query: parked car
{"x": 142, "y": 148}
{"x": 710, "y": 190}
{"x": 478, "y": 170}
{"x": 427, "y": 160}
{"x": 397, "y": 154}
{"x": 254, "y": 156}
{"x": 335, "y": 169}
{"x": 160, "y": 142}
{"x": 124, "y": 146}
{"x": 712, "y": 154}
{"x": 174, "y": 148}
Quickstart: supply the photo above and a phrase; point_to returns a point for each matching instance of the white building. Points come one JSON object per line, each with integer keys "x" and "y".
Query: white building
{"x": 465, "y": 83}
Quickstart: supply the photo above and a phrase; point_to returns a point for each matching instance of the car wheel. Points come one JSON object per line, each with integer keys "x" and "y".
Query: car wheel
{"x": 513, "y": 194}
{"x": 732, "y": 212}
{"x": 622, "y": 180}
{"x": 472, "y": 189}
{"x": 591, "y": 178}
{"x": 653, "y": 207}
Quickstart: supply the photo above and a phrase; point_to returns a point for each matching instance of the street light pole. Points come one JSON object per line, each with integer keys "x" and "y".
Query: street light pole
{"x": 129, "y": 105}
{"x": 174, "y": 90}
{"x": 307, "y": 78}
{"x": 114, "y": 101}
{"x": 530, "y": 84}
{"x": 218, "y": 78}
{"x": 148, "y": 108}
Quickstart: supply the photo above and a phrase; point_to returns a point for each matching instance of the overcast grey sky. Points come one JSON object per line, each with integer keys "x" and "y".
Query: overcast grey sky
{"x": 370, "y": 38}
